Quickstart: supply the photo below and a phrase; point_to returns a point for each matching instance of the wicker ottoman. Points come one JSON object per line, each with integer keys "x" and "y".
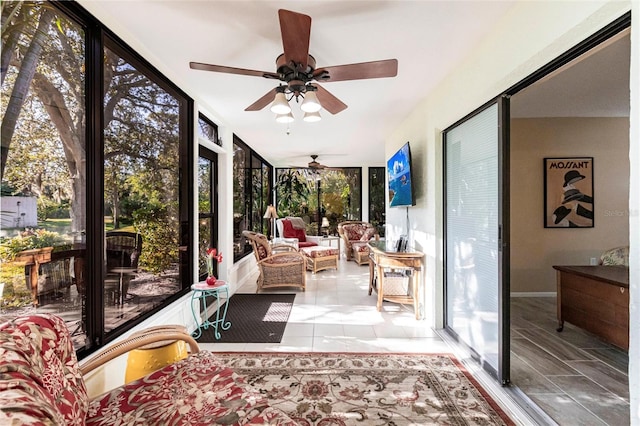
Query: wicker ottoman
{"x": 319, "y": 258}
{"x": 360, "y": 253}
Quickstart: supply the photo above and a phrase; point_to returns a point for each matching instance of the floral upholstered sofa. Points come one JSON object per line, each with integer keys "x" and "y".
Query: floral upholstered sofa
{"x": 41, "y": 383}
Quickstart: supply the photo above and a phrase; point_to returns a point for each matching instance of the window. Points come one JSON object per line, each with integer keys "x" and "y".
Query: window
{"x": 376, "y": 198}
{"x": 111, "y": 200}
{"x": 208, "y": 130}
{"x": 207, "y": 208}
{"x": 251, "y": 189}
{"x": 141, "y": 154}
{"x": 335, "y": 194}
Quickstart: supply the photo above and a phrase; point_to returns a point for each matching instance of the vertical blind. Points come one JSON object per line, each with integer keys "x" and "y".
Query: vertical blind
{"x": 472, "y": 262}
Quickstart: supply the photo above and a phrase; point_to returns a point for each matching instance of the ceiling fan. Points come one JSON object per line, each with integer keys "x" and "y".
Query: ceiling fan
{"x": 313, "y": 164}
{"x": 296, "y": 68}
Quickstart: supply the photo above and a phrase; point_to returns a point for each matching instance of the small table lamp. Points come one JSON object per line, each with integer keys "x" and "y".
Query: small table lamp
{"x": 273, "y": 215}
{"x": 325, "y": 226}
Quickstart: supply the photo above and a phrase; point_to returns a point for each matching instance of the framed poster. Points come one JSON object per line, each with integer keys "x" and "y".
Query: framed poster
{"x": 568, "y": 192}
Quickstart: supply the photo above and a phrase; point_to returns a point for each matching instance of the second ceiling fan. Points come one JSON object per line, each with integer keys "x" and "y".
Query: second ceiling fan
{"x": 296, "y": 68}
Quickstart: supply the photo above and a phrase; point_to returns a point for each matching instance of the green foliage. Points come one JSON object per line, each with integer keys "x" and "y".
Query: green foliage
{"x": 159, "y": 238}
{"x": 49, "y": 209}
{"x": 29, "y": 239}
{"x": 292, "y": 190}
{"x": 15, "y": 293}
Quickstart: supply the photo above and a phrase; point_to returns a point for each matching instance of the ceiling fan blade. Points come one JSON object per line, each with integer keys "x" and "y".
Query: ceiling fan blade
{"x": 232, "y": 70}
{"x": 262, "y": 102}
{"x": 360, "y": 71}
{"x": 328, "y": 101}
{"x": 295, "y": 29}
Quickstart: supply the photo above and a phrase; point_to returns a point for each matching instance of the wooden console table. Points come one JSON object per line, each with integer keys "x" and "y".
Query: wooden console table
{"x": 595, "y": 298}
{"x": 383, "y": 255}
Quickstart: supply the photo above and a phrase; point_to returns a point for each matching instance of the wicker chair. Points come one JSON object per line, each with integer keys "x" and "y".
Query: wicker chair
{"x": 280, "y": 265}
{"x": 355, "y": 235}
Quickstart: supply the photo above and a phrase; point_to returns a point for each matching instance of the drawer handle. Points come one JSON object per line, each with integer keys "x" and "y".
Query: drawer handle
{"x": 622, "y": 290}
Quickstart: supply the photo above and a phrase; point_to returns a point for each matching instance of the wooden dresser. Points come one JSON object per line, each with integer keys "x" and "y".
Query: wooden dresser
{"x": 595, "y": 298}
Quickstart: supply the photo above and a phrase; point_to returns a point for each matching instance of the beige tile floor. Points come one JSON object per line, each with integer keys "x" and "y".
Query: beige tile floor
{"x": 336, "y": 314}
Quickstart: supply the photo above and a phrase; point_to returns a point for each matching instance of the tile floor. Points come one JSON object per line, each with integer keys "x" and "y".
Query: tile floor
{"x": 573, "y": 376}
{"x": 336, "y": 314}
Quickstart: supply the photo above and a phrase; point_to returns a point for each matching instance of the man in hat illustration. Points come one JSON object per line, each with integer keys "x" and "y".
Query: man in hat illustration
{"x": 572, "y": 213}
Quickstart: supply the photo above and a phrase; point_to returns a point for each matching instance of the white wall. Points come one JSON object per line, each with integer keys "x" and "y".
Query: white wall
{"x": 530, "y": 36}
{"x": 18, "y": 212}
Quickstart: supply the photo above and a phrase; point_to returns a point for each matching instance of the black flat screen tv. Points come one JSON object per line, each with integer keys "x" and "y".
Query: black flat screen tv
{"x": 400, "y": 180}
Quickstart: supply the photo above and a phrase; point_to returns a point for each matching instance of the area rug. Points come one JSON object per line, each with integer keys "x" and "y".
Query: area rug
{"x": 255, "y": 318}
{"x": 368, "y": 389}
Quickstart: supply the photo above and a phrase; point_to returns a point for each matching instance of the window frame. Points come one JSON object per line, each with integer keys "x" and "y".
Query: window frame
{"x": 95, "y": 36}
{"x": 250, "y": 157}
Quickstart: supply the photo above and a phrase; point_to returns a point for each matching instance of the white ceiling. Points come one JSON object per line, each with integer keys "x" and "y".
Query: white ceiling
{"x": 429, "y": 38}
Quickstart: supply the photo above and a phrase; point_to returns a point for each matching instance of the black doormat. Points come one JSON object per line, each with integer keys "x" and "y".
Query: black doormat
{"x": 255, "y": 318}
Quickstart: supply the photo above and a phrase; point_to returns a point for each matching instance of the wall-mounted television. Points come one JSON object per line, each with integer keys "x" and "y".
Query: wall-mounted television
{"x": 400, "y": 180}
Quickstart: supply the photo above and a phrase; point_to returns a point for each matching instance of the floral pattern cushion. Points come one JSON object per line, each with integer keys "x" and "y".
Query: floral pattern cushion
{"x": 368, "y": 234}
{"x": 40, "y": 381}
{"x": 195, "y": 391}
{"x": 357, "y": 231}
{"x": 616, "y": 256}
{"x": 41, "y": 384}
{"x": 315, "y": 252}
{"x": 360, "y": 246}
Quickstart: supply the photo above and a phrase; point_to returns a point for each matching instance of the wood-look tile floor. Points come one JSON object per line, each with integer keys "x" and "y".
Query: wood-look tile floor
{"x": 573, "y": 376}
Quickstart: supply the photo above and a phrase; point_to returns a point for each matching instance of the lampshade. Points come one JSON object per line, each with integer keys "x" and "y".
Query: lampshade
{"x": 280, "y": 104}
{"x": 310, "y": 103}
{"x": 325, "y": 222}
{"x": 312, "y": 117}
{"x": 285, "y": 118}
{"x": 270, "y": 213}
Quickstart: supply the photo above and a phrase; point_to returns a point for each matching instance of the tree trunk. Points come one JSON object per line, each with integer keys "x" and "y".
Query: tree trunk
{"x": 72, "y": 136}
{"x": 10, "y": 42}
{"x": 21, "y": 86}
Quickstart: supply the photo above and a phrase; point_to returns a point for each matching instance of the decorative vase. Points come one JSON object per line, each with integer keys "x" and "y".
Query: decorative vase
{"x": 211, "y": 280}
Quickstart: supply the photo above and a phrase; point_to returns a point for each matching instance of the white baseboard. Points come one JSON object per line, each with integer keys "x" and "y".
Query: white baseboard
{"x": 534, "y": 294}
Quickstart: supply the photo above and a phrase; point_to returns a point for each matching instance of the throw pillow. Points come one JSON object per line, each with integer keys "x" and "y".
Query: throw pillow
{"x": 301, "y": 235}
{"x": 368, "y": 234}
{"x": 287, "y": 229}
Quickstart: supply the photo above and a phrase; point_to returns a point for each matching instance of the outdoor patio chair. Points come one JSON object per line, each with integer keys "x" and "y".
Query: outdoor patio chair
{"x": 123, "y": 251}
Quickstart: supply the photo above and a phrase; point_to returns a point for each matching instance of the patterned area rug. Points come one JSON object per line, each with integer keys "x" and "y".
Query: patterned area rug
{"x": 335, "y": 389}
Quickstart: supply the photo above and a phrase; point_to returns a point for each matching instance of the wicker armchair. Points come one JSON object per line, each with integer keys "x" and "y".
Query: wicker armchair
{"x": 280, "y": 265}
{"x": 355, "y": 235}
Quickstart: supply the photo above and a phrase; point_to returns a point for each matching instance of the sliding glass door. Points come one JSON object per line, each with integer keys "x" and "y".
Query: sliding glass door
{"x": 476, "y": 236}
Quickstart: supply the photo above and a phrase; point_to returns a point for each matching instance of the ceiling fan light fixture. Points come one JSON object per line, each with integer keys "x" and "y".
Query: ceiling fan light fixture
{"x": 310, "y": 103}
{"x": 312, "y": 117}
{"x": 285, "y": 118}
{"x": 280, "y": 105}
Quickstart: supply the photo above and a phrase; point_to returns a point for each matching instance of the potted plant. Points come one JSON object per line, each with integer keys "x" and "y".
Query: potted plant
{"x": 31, "y": 246}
